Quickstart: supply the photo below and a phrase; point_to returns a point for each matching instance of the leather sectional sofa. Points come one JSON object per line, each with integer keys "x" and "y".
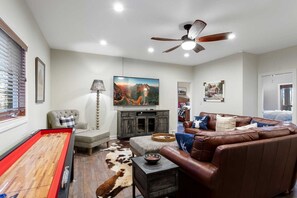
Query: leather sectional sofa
{"x": 240, "y": 121}
{"x": 254, "y": 163}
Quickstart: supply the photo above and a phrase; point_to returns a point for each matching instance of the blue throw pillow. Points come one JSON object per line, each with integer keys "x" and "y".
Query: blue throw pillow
{"x": 203, "y": 122}
{"x": 261, "y": 124}
{"x": 185, "y": 141}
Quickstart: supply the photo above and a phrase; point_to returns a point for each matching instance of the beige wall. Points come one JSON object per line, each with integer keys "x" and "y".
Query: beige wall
{"x": 250, "y": 84}
{"x": 280, "y": 61}
{"x": 229, "y": 69}
{"x": 17, "y": 15}
{"x": 73, "y": 73}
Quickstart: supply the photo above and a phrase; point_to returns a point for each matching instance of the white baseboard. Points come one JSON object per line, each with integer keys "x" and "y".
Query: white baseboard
{"x": 113, "y": 137}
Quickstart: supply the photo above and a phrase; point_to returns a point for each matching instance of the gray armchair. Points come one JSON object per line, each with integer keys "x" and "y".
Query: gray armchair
{"x": 54, "y": 116}
{"x": 84, "y": 137}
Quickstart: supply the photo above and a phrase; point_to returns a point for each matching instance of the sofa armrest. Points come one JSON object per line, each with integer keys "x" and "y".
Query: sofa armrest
{"x": 188, "y": 124}
{"x": 202, "y": 172}
{"x": 81, "y": 125}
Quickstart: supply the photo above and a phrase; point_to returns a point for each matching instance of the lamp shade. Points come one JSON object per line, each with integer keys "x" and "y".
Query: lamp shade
{"x": 97, "y": 85}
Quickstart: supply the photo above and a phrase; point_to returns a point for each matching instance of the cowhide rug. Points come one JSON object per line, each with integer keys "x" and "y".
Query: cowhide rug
{"x": 118, "y": 160}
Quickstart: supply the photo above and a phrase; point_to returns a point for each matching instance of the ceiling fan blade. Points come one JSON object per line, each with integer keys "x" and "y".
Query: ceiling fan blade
{"x": 196, "y": 28}
{"x": 214, "y": 37}
{"x": 164, "y": 39}
{"x": 198, "y": 48}
{"x": 171, "y": 49}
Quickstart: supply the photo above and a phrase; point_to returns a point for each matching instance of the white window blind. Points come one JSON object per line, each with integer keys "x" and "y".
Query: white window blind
{"x": 12, "y": 77}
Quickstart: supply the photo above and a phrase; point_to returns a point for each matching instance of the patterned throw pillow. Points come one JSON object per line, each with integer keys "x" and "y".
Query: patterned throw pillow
{"x": 67, "y": 122}
{"x": 200, "y": 122}
{"x": 225, "y": 123}
{"x": 184, "y": 141}
{"x": 261, "y": 124}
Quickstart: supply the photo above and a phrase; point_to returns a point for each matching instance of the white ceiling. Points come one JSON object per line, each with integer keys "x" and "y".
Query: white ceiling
{"x": 78, "y": 25}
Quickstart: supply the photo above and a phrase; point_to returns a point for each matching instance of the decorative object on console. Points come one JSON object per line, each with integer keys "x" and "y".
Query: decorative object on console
{"x": 185, "y": 141}
{"x": 214, "y": 91}
{"x": 97, "y": 86}
{"x": 200, "y": 122}
{"x": 225, "y": 123}
{"x": 39, "y": 80}
{"x": 132, "y": 91}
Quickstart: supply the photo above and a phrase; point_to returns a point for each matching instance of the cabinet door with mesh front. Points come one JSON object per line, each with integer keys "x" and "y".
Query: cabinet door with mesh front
{"x": 127, "y": 127}
{"x": 162, "y": 124}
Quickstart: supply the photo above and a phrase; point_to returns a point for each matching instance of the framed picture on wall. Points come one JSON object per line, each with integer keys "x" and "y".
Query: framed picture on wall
{"x": 214, "y": 91}
{"x": 182, "y": 91}
{"x": 39, "y": 80}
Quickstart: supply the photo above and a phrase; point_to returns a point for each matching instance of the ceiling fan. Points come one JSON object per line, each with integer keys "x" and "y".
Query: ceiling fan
{"x": 191, "y": 39}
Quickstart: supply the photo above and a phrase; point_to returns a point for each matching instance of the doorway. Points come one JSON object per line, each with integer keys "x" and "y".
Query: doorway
{"x": 278, "y": 96}
{"x": 183, "y": 104}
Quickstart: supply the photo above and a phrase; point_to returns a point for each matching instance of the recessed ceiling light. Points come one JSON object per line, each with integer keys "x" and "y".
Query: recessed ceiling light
{"x": 150, "y": 50}
{"x": 103, "y": 42}
{"x": 231, "y": 36}
{"x": 118, "y": 7}
{"x": 186, "y": 55}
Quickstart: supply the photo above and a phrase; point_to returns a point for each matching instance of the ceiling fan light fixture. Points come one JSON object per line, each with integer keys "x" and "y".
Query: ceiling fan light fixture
{"x": 231, "y": 36}
{"x": 188, "y": 45}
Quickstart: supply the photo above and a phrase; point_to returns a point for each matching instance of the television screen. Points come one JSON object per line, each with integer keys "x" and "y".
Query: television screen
{"x": 131, "y": 91}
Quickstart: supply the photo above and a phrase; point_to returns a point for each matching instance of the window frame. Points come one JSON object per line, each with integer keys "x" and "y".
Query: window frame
{"x": 21, "y": 111}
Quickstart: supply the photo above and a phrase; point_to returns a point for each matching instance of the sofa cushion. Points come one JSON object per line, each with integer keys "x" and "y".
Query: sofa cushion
{"x": 67, "y": 122}
{"x": 265, "y": 122}
{"x": 249, "y": 126}
{"x": 240, "y": 120}
{"x": 206, "y": 143}
{"x": 225, "y": 123}
{"x": 200, "y": 122}
{"x": 212, "y": 120}
{"x": 272, "y": 132}
{"x": 194, "y": 130}
{"x": 184, "y": 141}
{"x": 262, "y": 124}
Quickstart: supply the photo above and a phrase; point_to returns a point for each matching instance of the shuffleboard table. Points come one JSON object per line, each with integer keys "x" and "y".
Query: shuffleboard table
{"x": 39, "y": 166}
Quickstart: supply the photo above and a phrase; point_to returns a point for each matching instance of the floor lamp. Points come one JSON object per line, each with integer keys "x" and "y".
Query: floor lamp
{"x": 97, "y": 87}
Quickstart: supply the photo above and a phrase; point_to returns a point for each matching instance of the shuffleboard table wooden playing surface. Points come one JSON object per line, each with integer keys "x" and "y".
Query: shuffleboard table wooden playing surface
{"x": 39, "y": 165}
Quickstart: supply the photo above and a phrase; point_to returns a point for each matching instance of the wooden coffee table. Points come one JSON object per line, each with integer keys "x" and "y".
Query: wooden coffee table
{"x": 154, "y": 180}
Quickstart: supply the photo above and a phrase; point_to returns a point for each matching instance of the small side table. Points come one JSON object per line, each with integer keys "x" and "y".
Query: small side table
{"x": 154, "y": 180}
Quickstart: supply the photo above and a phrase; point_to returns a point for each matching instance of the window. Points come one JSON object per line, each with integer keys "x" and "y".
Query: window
{"x": 12, "y": 74}
{"x": 286, "y": 97}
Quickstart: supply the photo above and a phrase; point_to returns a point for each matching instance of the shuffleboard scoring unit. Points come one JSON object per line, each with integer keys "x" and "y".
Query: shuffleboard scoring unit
{"x": 39, "y": 166}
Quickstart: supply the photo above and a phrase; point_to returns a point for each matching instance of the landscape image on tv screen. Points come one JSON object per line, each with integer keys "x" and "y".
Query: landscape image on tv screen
{"x": 131, "y": 91}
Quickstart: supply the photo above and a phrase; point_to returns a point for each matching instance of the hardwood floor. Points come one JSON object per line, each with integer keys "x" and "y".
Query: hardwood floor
{"x": 92, "y": 171}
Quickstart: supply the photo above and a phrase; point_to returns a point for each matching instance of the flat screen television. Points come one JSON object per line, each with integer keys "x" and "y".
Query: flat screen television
{"x": 132, "y": 91}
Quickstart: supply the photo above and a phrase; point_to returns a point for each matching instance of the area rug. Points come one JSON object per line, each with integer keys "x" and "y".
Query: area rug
{"x": 119, "y": 161}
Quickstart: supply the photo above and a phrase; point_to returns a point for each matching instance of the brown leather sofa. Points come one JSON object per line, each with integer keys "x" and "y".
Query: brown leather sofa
{"x": 255, "y": 163}
{"x": 240, "y": 121}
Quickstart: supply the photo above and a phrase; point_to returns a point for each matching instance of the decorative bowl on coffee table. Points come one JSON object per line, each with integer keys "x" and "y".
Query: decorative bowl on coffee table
{"x": 152, "y": 158}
